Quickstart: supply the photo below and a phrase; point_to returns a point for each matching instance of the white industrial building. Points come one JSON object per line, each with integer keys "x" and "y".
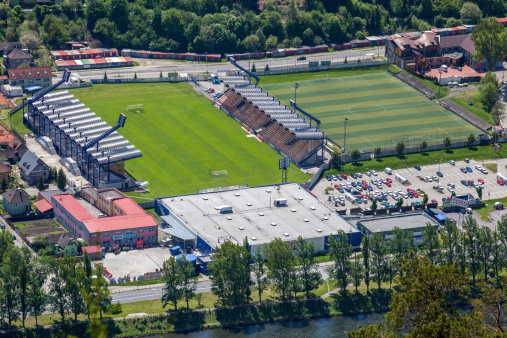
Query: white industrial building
{"x": 261, "y": 214}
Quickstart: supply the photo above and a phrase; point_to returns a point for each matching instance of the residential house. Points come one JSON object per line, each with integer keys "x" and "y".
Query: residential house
{"x": 11, "y": 147}
{"x": 94, "y": 251}
{"x": 63, "y": 245}
{"x": 5, "y": 173}
{"x": 16, "y": 58}
{"x": 31, "y": 167}
{"x": 33, "y": 76}
{"x": 7, "y": 47}
{"x": 16, "y": 202}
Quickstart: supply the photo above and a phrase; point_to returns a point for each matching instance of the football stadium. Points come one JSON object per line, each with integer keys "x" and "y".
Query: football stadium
{"x": 381, "y": 110}
{"x": 184, "y": 139}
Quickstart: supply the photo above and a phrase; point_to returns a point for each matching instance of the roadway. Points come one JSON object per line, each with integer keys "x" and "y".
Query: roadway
{"x": 150, "y": 292}
{"x": 151, "y": 68}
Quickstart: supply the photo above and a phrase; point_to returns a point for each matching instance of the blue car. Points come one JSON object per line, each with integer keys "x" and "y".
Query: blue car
{"x": 348, "y": 189}
{"x": 328, "y": 177}
{"x": 370, "y": 188}
{"x": 469, "y": 169}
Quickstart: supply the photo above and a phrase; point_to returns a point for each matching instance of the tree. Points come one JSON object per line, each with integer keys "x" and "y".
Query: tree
{"x": 356, "y": 272}
{"x": 73, "y": 275}
{"x": 423, "y": 145}
{"x": 308, "y": 267}
{"x": 160, "y": 74}
{"x": 479, "y": 192}
{"x": 9, "y": 287}
{"x": 188, "y": 278}
{"x": 471, "y": 139}
{"x": 31, "y": 41}
{"x": 57, "y": 289}
{"x": 259, "y": 270}
{"x": 229, "y": 274}
{"x": 374, "y": 204}
{"x": 470, "y": 13}
{"x": 355, "y": 155}
{"x": 400, "y": 147}
{"x": 37, "y": 298}
{"x": 425, "y": 199}
{"x": 105, "y": 75}
{"x": 447, "y": 142}
{"x": 422, "y": 308}
{"x": 23, "y": 289}
{"x": 100, "y": 291}
{"x": 488, "y": 95}
{"x": 61, "y": 180}
{"x": 485, "y": 250}
{"x": 53, "y": 173}
{"x": 4, "y": 184}
{"x": 399, "y": 202}
{"x": 40, "y": 183}
{"x": 135, "y": 75}
{"x": 377, "y": 151}
{"x": 281, "y": 263}
{"x": 266, "y": 69}
{"x": 365, "y": 250}
{"x": 271, "y": 42}
{"x": 490, "y": 304}
{"x": 431, "y": 243}
{"x": 340, "y": 251}
{"x": 401, "y": 244}
{"x": 471, "y": 241}
{"x": 171, "y": 291}
{"x": 378, "y": 249}
{"x": 253, "y": 68}
{"x": 490, "y": 41}
{"x": 335, "y": 160}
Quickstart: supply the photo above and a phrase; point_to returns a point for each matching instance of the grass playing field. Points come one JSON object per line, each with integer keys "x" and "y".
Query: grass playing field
{"x": 381, "y": 110}
{"x": 183, "y": 137}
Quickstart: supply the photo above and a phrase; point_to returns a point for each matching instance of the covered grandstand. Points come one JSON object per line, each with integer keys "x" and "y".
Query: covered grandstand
{"x": 79, "y": 136}
{"x": 276, "y": 124}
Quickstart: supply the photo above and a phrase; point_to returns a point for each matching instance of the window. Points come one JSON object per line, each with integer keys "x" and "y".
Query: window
{"x": 46, "y": 79}
{"x": 21, "y": 81}
{"x": 30, "y": 81}
{"x": 141, "y": 230}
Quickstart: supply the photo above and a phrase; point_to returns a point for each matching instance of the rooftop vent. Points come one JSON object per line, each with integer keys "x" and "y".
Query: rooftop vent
{"x": 229, "y": 218}
{"x": 306, "y": 220}
{"x": 273, "y": 224}
{"x": 217, "y": 208}
{"x": 241, "y": 228}
{"x": 253, "y": 238}
{"x": 300, "y": 198}
{"x": 249, "y": 204}
{"x": 225, "y": 209}
{"x": 319, "y": 230}
{"x": 236, "y": 194}
{"x": 313, "y": 208}
{"x": 293, "y": 210}
{"x": 268, "y": 190}
{"x": 261, "y": 214}
{"x": 325, "y": 218}
{"x": 205, "y": 198}
{"x": 286, "y": 234}
{"x": 280, "y": 202}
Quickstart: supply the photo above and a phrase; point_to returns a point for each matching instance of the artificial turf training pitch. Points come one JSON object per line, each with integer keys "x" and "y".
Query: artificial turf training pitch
{"x": 381, "y": 111}
{"x": 183, "y": 138}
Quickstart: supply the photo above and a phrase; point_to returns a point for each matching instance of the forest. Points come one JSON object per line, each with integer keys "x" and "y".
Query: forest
{"x": 219, "y": 26}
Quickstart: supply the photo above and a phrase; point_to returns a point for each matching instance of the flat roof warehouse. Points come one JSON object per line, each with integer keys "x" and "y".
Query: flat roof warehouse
{"x": 254, "y": 215}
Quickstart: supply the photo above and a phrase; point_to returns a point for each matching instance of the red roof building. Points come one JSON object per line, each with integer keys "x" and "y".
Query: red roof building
{"x": 106, "y": 217}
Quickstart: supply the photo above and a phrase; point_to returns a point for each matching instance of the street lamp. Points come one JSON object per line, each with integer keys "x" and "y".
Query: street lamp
{"x": 439, "y": 81}
{"x": 296, "y": 86}
{"x": 344, "y": 140}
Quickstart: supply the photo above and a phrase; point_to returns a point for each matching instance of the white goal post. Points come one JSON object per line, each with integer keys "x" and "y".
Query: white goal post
{"x": 219, "y": 174}
{"x": 135, "y": 107}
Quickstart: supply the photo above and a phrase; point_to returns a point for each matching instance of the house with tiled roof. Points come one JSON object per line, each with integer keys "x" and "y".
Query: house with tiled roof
{"x": 11, "y": 147}
{"x": 30, "y": 76}
{"x": 7, "y": 47}
{"x": 31, "y": 167}
{"x": 16, "y": 202}
{"x": 16, "y": 58}
{"x": 106, "y": 217}
{"x": 63, "y": 244}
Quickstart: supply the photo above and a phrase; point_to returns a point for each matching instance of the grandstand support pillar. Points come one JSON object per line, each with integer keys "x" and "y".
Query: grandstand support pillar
{"x": 108, "y": 169}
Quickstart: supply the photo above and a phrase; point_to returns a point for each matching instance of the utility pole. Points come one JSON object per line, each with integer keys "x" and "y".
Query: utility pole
{"x": 296, "y": 86}
{"x": 344, "y": 141}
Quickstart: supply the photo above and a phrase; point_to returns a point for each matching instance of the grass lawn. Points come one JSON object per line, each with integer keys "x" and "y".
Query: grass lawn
{"x": 424, "y": 158}
{"x": 381, "y": 110}
{"x": 444, "y": 90}
{"x": 183, "y": 137}
{"x": 273, "y": 79}
{"x": 17, "y": 122}
{"x": 477, "y": 108}
{"x": 484, "y": 212}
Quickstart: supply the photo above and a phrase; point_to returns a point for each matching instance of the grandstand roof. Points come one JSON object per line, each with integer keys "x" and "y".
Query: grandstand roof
{"x": 255, "y": 216}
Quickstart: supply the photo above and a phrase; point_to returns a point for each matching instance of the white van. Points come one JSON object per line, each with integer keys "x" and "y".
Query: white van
{"x": 444, "y": 68}
{"x": 388, "y": 171}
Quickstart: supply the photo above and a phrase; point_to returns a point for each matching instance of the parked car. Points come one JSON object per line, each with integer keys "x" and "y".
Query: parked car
{"x": 480, "y": 180}
{"x": 359, "y": 175}
{"x": 417, "y": 167}
{"x": 367, "y": 173}
{"x": 465, "y": 183}
{"x": 302, "y": 58}
{"x": 451, "y": 162}
{"x": 328, "y": 177}
{"x": 374, "y": 173}
{"x": 469, "y": 169}
{"x": 334, "y": 177}
{"x": 344, "y": 176}
{"x": 434, "y": 201}
{"x": 463, "y": 170}
{"x": 466, "y": 160}
{"x": 354, "y": 176}
{"x": 439, "y": 174}
{"x": 500, "y": 182}
{"x": 429, "y": 179}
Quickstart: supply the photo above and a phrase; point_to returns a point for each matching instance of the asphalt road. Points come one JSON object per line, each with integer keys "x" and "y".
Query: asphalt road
{"x": 190, "y": 67}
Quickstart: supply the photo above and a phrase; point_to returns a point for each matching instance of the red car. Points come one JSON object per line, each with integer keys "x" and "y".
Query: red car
{"x": 389, "y": 180}
{"x": 344, "y": 176}
{"x": 364, "y": 182}
{"x": 211, "y": 90}
{"x": 388, "y": 184}
{"x": 500, "y": 182}
{"x": 336, "y": 186}
{"x": 409, "y": 189}
{"x": 434, "y": 201}
{"x": 414, "y": 193}
{"x": 480, "y": 180}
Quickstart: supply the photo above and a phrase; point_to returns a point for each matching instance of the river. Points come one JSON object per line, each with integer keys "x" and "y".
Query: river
{"x": 323, "y": 327}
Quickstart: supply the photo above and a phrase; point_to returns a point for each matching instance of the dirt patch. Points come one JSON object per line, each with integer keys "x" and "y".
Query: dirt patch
{"x": 44, "y": 230}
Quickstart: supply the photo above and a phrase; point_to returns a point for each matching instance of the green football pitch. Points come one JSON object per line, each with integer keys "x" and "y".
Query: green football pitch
{"x": 183, "y": 138}
{"x": 381, "y": 110}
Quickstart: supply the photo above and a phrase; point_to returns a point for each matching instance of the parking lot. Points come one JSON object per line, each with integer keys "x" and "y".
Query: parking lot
{"x": 135, "y": 262}
{"x": 450, "y": 174}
